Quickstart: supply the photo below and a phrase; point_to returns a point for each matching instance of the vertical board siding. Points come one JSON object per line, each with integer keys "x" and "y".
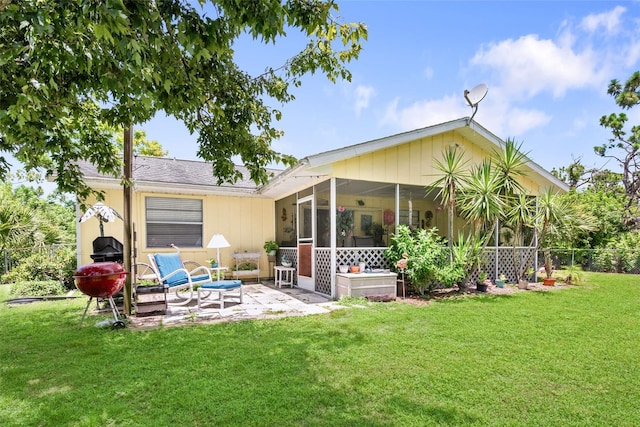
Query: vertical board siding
{"x": 246, "y": 222}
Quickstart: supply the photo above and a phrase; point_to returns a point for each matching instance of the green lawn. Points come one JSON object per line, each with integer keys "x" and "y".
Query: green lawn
{"x": 564, "y": 358}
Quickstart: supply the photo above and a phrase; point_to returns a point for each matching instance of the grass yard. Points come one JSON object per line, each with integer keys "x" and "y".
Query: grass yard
{"x": 562, "y": 358}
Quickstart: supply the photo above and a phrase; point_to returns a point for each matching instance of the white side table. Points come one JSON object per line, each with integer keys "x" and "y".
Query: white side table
{"x": 284, "y": 276}
{"x": 217, "y": 270}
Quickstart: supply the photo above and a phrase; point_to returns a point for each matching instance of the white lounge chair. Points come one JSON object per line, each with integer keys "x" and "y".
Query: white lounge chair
{"x": 172, "y": 273}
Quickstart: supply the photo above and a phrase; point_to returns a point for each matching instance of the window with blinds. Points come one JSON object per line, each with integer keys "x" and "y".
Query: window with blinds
{"x": 173, "y": 220}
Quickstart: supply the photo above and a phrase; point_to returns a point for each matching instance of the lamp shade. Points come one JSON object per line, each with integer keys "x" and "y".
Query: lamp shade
{"x": 218, "y": 241}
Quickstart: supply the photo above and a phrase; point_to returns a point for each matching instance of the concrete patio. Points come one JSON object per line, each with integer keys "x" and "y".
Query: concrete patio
{"x": 260, "y": 301}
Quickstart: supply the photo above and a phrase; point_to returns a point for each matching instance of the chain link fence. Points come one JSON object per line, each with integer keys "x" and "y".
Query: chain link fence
{"x": 603, "y": 260}
{"x": 12, "y": 257}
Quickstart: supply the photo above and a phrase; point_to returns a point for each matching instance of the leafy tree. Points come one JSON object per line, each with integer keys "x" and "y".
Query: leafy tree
{"x": 624, "y": 147}
{"x": 29, "y": 220}
{"x": 70, "y": 71}
{"x": 17, "y": 222}
{"x": 141, "y": 145}
{"x": 602, "y": 210}
{"x": 573, "y": 174}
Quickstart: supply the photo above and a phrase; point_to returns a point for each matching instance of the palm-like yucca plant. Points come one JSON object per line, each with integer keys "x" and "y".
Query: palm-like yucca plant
{"x": 553, "y": 215}
{"x": 519, "y": 214}
{"x": 509, "y": 164}
{"x": 452, "y": 169}
{"x": 480, "y": 200}
{"x": 466, "y": 253}
{"x": 481, "y": 204}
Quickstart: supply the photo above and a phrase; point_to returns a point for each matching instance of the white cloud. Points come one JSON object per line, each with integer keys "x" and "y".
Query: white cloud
{"x": 517, "y": 70}
{"x": 363, "y": 97}
{"x": 518, "y": 121}
{"x": 607, "y": 21}
{"x": 527, "y": 66}
{"x": 424, "y": 113}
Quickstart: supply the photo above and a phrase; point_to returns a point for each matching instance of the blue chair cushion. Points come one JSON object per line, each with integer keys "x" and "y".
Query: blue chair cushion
{"x": 200, "y": 278}
{"x": 167, "y": 264}
{"x": 222, "y": 284}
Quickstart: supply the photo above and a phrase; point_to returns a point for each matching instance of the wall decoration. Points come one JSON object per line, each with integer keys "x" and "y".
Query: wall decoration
{"x": 429, "y": 216}
{"x": 389, "y": 217}
{"x": 365, "y": 222}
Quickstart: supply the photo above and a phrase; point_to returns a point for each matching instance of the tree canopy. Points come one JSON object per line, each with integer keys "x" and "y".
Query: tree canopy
{"x": 623, "y": 146}
{"x": 141, "y": 145}
{"x": 69, "y": 71}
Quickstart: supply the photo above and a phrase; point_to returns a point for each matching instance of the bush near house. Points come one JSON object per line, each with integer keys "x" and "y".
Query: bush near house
{"x": 41, "y": 266}
{"x": 428, "y": 261}
{"x": 37, "y": 288}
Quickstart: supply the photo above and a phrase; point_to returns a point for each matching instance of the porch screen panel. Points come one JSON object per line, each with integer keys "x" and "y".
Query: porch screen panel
{"x": 173, "y": 220}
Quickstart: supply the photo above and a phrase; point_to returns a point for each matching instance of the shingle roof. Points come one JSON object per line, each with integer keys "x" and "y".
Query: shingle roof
{"x": 174, "y": 171}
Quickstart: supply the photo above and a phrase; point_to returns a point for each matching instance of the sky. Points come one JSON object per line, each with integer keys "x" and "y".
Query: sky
{"x": 547, "y": 66}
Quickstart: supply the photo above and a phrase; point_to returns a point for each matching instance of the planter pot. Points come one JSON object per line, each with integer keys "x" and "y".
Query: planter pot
{"x": 362, "y": 266}
{"x": 523, "y": 284}
{"x": 344, "y": 269}
{"x": 271, "y": 253}
{"x": 287, "y": 264}
{"x": 481, "y": 287}
{"x": 551, "y": 281}
{"x": 500, "y": 283}
{"x": 355, "y": 269}
{"x": 214, "y": 265}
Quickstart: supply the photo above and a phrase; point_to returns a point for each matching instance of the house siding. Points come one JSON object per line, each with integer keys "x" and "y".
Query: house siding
{"x": 246, "y": 222}
{"x": 413, "y": 163}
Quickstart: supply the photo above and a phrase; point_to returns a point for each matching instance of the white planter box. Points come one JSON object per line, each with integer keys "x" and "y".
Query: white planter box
{"x": 380, "y": 285}
{"x": 244, "y": 257}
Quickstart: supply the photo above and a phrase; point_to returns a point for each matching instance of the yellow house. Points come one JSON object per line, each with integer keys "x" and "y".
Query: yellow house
{"x": 330, "y": 209}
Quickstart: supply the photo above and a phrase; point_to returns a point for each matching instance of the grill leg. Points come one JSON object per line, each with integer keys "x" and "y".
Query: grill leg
{"x": 117, "y": 324}
{"x": 85, "y": 311}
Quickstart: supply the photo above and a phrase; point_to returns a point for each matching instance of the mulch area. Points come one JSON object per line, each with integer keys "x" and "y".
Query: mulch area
{"x": 471, "y": 291}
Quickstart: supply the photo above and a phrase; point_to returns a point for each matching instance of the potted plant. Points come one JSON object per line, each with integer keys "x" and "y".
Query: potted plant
{"x": 271, "y": 247}
{"x": 285, "y": 261}
{"x": 483, "y": 282}
{"x": 213, "y": 262}
{"x": 548, "y": 269}
{"x": 500, "y": 281}
{"x": 362, "y": 265}
{"x": 573, "y": 276}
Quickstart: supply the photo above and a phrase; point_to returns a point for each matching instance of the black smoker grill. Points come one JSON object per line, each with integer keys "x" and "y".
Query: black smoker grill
{"x": 107, "y": 249}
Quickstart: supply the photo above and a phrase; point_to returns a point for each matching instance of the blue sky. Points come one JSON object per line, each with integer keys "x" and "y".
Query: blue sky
{"x": 547, "y": 65}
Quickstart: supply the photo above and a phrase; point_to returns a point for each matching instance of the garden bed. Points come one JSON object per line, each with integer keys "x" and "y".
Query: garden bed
{"x": 491, "y": 290}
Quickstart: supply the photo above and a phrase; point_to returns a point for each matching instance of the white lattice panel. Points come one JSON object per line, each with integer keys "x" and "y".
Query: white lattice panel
{"x": 374, "y": 257}
{"x": 323, "y": 271}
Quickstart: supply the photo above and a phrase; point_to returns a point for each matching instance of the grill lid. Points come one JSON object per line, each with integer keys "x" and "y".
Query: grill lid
{"x": 99, "y": 269}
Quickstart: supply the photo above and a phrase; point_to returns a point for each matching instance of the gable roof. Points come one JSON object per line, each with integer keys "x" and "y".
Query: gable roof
{"x": 317, "y": 167}
{"x": 170, "y": 175}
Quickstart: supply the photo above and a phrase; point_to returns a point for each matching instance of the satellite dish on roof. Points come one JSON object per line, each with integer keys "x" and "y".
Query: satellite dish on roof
{"x": 474, "y": 96}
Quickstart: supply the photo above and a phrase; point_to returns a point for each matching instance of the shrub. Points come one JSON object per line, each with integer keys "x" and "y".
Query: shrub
{"x": 428, "y": 262}
{"x": 36, "y": 288}
{"x": 620, "y": 256}
{"x": 41, "y": 266}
